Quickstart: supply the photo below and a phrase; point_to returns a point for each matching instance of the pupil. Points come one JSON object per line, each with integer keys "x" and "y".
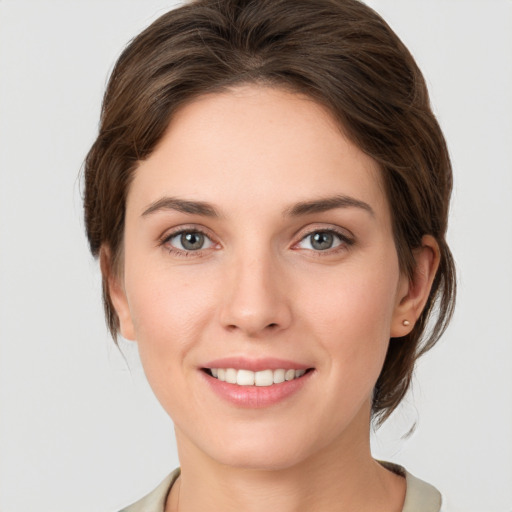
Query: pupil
{"x": 192, "y": 241}
{"x": 322, "y": 241}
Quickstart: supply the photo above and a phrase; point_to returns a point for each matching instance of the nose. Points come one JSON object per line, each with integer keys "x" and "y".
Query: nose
{"x": 256, "y": 299}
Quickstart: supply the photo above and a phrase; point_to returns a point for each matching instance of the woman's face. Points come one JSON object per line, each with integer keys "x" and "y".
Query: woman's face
{"x": 258, "y": 240}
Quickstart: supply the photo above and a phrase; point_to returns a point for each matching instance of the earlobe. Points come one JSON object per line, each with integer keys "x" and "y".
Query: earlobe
{"x": 413, "y": 294}
{"x": 117, "y": 294}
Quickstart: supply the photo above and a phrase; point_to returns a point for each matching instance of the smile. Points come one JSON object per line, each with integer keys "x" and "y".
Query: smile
{"x": 258, "y": 378}
{"x": 255, "y": 389}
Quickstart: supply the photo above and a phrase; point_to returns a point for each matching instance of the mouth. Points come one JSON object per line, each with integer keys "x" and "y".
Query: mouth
{"x": 262, "y": 378}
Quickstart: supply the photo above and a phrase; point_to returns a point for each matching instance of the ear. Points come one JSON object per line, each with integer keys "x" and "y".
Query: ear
{"x": 115, "y": 286}
{"x": 413, "y": 294}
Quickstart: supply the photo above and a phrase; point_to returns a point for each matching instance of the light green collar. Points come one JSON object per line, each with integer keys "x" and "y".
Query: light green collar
{"x": 419, "y": 496}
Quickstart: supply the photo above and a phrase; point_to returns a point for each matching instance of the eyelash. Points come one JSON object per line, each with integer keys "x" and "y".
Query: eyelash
{"x": 184, "y": 253}
{"x": 345, "y": 242}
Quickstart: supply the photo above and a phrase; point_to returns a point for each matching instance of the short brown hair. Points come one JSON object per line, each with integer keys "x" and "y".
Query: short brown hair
{"x": 338, "y": 52}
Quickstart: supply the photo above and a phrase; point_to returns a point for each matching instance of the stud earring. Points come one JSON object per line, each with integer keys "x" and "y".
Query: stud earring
{"x": 406, "y": 323}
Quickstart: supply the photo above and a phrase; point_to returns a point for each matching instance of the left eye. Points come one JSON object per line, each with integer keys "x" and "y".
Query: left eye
{"x": 321, "y": 241}
{"x": 190, "y": 241}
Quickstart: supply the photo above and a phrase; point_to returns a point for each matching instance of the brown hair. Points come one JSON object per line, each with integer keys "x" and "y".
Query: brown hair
{"x": 338, "y": 52}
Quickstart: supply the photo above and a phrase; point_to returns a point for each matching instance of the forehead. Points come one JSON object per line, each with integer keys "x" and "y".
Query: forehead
{"x": 255, "y": 145}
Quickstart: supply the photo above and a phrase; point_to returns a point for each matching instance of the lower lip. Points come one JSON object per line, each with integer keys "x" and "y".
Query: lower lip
{"x": 256, "y": 396}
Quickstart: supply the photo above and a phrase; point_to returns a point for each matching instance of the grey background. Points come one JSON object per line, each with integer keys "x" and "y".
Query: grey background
{"x": 79, "y": 428}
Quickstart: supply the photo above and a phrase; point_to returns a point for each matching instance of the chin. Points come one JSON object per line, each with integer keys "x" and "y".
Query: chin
{"x": 267, "y": 449}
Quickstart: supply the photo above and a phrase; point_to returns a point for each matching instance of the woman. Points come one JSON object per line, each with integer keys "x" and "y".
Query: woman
{"x": 268, "y": 197}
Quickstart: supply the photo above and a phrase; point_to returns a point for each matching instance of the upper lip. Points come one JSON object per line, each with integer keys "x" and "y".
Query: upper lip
{"x": 255, "y": 365}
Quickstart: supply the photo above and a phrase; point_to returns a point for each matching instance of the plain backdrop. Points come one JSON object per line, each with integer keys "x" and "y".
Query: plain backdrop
{"x": 79, "y": 429}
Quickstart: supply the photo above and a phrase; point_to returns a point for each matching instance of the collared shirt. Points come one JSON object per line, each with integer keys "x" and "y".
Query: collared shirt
{"x": 419, "y": 496}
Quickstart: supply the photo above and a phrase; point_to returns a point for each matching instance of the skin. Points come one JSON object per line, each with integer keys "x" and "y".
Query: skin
{"x": 259, "y": 288}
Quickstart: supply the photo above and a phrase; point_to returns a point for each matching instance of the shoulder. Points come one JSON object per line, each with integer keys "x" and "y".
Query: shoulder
{"x": 420, "y": 496}
{"x": 155, "y": 500}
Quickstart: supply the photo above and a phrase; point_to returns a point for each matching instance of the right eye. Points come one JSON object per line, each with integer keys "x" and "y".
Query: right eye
{"x": 189, "y": 240}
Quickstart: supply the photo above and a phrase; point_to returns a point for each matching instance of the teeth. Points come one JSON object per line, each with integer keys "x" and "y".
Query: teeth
{"x": 261, "y": 378}
{"x": 231, "y": 375}
{"x": 245, "y": 378}
{"x": 278, "y": 376}
{"x": 264, "y": 378}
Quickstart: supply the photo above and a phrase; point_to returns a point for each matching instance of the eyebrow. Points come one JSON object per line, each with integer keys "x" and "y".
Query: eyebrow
{"x": 325, "y": 204}
{"x": 181, "y": 205}
{"x": 302, "y": 208}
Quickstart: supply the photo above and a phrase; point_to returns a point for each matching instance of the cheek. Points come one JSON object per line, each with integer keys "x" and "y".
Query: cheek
{"x": 169, "y": 310}
{"x": 351, "y": 310}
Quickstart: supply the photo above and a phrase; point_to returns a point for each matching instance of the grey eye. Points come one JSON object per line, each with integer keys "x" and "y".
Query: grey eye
{"x": 189, "y": 241}
{"x": 192, "y": 241}
{"x": 322, "y": 240}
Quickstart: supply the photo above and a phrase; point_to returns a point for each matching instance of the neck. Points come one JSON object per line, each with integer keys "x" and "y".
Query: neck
{"x": 341, "y": 477}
